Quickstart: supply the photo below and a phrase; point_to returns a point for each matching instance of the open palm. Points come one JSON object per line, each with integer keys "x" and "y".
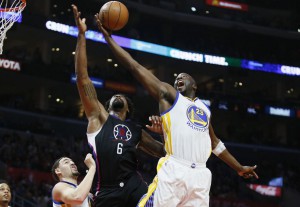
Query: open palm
{"x": 79, "y": 22}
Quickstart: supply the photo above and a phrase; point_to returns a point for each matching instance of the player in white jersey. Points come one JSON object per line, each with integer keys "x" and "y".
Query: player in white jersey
{"x": 182, "y": 178}
{"x": 67, "y": 193}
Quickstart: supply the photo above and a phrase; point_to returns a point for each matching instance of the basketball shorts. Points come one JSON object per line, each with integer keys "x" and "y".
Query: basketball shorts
{"x": 179, "y": 183}
{"x": 125, "y": 194}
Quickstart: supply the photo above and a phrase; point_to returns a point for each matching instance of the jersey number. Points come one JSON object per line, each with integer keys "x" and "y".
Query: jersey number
{"x": 119, "y": 148}
{"x": 199, "y": 111}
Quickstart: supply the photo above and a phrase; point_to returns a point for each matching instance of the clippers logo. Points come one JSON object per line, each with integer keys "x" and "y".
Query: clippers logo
{"x": 122, "y": 132}
{"x": 197, "y": 116}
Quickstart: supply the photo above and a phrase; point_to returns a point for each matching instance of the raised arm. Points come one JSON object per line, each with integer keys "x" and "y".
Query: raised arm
{"x": 74, "y": 196}
{"x": 159, "y": 90}
{"x": 94, "y": 110}
{"x": 220, "y": 150}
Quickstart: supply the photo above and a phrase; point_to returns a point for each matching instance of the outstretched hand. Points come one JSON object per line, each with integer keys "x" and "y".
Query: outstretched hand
{"x": 89, "y": 161}
{"x": 105, "y": 32}
{"x": 248, "y": 172}
{"x": 156, "y": 124}
{"x": 82, "y": 28}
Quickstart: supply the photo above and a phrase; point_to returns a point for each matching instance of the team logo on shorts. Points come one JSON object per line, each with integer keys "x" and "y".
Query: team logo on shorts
{"x": 122, "y": 132}
{"x": 197, "y": 116}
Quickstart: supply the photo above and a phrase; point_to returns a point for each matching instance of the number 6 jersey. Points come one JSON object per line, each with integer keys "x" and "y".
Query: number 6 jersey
{"x": 114, "y": 149}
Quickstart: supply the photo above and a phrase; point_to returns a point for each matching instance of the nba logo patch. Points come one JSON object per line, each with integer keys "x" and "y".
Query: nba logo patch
{"x": 122, "y": 132}
{"x": 197, "y": 116}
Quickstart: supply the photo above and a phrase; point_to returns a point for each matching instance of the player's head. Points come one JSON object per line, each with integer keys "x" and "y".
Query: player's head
{"x": 64, "y": 167}
{"x": 185, "y": 84}
{"x": 120, "y": 103}
{"x": 5, "y": 194}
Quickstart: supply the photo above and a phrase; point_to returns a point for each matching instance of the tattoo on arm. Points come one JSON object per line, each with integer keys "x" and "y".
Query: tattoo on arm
{"x": 90, "y": 91}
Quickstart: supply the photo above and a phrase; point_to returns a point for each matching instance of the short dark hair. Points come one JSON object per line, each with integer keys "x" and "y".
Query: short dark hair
{"x": 130, "y": 104}
{"x": 55, "y": 165}
{"x": 4, "y": 181}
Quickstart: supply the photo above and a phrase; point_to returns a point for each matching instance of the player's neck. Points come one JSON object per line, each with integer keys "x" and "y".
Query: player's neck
{"x": 3, "y": 204}
{"x": 120, "y": 115}
{"x": 190, "y": 95}
{"x": 69, "y": 180}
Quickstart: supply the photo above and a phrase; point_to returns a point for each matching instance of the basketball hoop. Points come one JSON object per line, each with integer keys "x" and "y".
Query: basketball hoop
{"x": 10, "y": 12}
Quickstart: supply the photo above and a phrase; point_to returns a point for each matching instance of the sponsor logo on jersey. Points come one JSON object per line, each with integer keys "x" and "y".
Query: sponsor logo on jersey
{"x": 197, "y": 117}
{"x": 122, "y": 132}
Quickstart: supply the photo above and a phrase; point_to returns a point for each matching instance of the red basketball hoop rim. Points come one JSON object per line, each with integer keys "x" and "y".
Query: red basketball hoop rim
{"x": 20, "y": 6}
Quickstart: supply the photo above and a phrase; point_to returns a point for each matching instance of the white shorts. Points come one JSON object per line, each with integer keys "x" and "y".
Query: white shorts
{"x": 182, "y": 183}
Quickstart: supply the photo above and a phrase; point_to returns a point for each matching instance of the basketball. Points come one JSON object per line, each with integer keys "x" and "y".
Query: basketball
{"x": 114, "y": 15}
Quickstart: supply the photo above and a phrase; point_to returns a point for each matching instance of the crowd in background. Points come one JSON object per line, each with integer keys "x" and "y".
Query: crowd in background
{"x": 24, "y": 150}
{"x": 36, "y": 144}
{"x": 36, "y": 148}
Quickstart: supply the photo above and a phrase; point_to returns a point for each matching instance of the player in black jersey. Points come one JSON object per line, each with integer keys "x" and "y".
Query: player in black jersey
{"x": 114, "y": 140}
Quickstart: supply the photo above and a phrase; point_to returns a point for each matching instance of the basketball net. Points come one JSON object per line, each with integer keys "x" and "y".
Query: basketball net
{"x": 10, "y": 12}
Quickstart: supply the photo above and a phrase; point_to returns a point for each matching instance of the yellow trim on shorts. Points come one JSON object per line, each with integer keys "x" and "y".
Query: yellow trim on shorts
{"x": 166, "y": 120}
{"x": 150, "y": 191}
{"x": 153, "y": 185}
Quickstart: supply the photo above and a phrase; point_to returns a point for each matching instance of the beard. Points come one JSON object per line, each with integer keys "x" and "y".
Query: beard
{"x": 76, "y": 174}
{"x": 117, "y": 105}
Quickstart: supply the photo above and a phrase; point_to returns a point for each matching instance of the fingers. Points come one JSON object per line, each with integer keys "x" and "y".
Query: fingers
{"x": 76, "y": 13}
{"x": 74, "y": 7}
{"x": 75, "y": 10}
{"x": 253, "y": 172}
{"x": 97, "y": 19}
{"x": 89, "y": 161}
{"x": 249, "y": 172}
{"x": 155, "y": 119}
{"x": 255, "y": 175}
{"x": 88, "y": 156}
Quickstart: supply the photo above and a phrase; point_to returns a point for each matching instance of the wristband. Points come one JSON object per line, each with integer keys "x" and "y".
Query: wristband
{"x": 219, "y": 148}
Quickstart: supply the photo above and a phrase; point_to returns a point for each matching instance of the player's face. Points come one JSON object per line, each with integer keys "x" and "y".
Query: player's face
{"x": 5, "y": 194}
{"x": 67, "y": 168}
{"x": 184, "y": 82}
{"x": 118, "y": 102}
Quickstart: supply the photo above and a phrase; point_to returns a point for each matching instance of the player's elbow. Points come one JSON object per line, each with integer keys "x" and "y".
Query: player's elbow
{"x": 75, "y": 199}
{"x": 78, "y": 199}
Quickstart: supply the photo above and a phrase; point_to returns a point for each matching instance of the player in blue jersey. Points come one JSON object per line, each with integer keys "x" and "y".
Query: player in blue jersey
{"x": 113, "y": 138}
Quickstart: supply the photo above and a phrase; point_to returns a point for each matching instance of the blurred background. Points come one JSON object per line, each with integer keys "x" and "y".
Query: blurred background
{"x": 244, "y": 55}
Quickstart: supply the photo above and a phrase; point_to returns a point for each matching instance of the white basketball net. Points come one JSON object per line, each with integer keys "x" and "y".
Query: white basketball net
{"x": 10, "y": 12}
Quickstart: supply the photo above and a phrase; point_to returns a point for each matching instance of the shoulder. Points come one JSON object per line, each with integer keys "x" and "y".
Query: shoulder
{"x": 58, "y": 189}
{"x": 133, "y": 124}
{"x": 168, "y": 91}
